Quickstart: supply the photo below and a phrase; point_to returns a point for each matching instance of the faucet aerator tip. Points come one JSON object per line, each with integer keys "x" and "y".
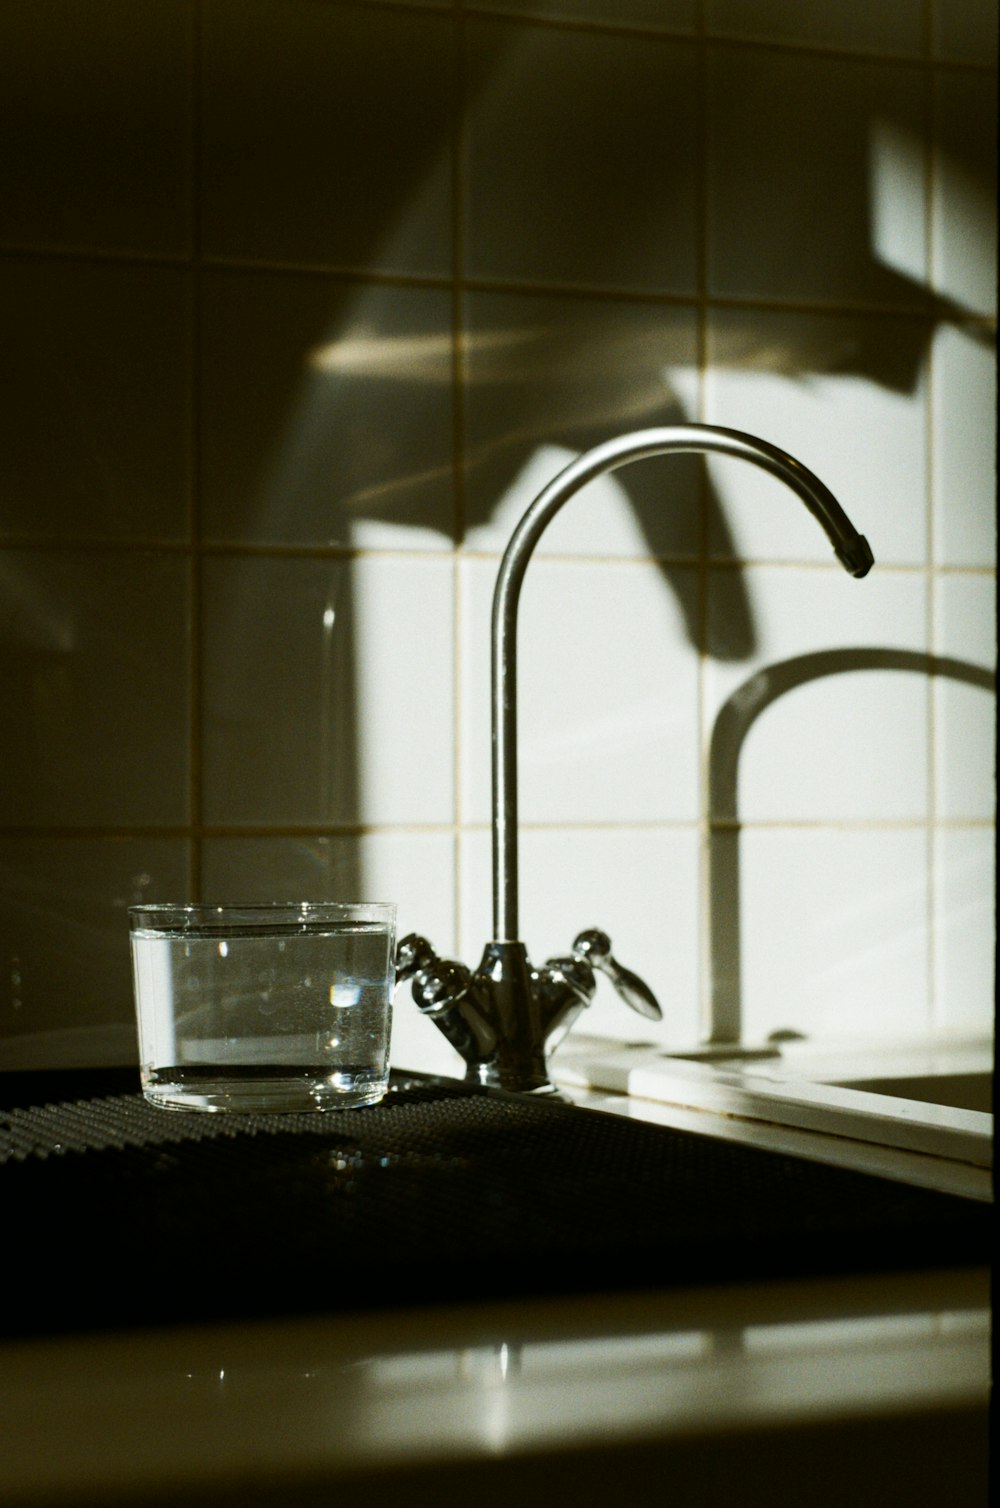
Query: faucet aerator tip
{"x": 856, "y": 557}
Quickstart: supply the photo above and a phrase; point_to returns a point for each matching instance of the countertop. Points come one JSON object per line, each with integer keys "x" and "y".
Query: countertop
{"x": 867, "y": 1389}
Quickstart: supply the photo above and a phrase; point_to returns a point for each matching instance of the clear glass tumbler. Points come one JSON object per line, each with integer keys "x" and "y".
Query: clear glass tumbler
{"x": 285, "y": 1006}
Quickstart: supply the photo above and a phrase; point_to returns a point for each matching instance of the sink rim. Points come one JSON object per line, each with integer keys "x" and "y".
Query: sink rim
{"x": 803, "y": 1086}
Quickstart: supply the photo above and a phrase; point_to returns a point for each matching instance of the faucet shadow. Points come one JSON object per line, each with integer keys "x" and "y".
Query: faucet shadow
{"x": 365, "y": 436}
{"x": 732, "y": 725}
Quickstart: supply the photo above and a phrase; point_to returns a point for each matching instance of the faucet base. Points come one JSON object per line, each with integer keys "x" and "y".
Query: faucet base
{"x": 503, "y": 1019}
{"x": 517, "y": 1059}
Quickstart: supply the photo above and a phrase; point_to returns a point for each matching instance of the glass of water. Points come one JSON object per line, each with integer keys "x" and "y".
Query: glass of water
{"x": 286, "y": 1006}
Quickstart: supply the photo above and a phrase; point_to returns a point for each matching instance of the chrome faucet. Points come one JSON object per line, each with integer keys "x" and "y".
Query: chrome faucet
{"x": 504, "y": 1018}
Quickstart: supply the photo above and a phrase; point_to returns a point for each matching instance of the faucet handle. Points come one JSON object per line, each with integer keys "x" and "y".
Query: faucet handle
{"x": 437, "y": 982}
{"x": 594, "y": 947}
{"x": 413, "y": 953}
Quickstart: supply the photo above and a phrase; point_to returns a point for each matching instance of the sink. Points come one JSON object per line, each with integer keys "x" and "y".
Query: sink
{"x": 923, "y": 1099}
{"x": 960, "y": 1091}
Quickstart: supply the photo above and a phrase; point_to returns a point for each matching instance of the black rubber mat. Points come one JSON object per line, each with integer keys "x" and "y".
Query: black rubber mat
{"x": 117, "y": 1213}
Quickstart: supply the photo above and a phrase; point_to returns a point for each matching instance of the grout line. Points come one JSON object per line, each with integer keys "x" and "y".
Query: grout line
{"x": 735, "y": 41}
{"x": 338, "y": 272}
{"x": 691, "y": 562}
{"x": 703, "y": 959}
{"x": 196, "y": 747}
{"x": 934, "y": 1005}
{"x": 834, "y": 824}
{"x": 459, "y": 360}
{"x": 219, "y": 830}
{"x": 929, "y": 309}
{"x": 580, "y": 25}
{"x": 919, "y": 308}
{"x": 305, "y": 552}
{"x": 41, "y": 250}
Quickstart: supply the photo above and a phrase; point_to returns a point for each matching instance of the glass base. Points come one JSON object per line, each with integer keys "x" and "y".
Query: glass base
{"x": 261, "y": 1090}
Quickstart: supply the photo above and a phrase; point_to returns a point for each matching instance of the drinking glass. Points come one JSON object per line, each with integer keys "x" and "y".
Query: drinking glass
{"x": 285, "y": 1006}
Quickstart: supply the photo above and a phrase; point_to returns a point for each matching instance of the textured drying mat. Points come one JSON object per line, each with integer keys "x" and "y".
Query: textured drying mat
{"x": 117, "y": 1213}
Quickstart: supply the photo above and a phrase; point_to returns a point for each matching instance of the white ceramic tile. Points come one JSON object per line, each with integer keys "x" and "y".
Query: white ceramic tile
{"x": 667, "y": 15}
{"x": 97, "y": 103}
{"x": 641, "y": 886}
{"x": 964, "y": 384}
{"x": 326, "y": 135}
{"x": 965, "y": 30}
{"x": 833, "y": 932}
{"x": 964, "y": 237}
{"x": 334, "y": 705}
{"x": 965, "y": 709}
{"x": 816, "y": 184}
{"x": 845, "y": 396}
{"x": 894, "y": 27}
{"x": 94, "y": 423}
{"x": 545, "y": 379}
{"x": 581, "y": 153}
{"x": 96, "y": 652}
{"x": 64, "y": 940}
{"x": 607, "y": 693}
{"x": 405, "y": 679}
{"x": 417, "y": 871}
{"x": 965, "y": 935}
{"x": 417, "y": 1045}
{"x": 809, "y": 727}
{"x": 326, "y": 412}
{"x": 414, "y": 869}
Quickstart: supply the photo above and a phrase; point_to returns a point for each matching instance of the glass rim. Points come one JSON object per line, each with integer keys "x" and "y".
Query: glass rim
{"x": 190, "y": 913}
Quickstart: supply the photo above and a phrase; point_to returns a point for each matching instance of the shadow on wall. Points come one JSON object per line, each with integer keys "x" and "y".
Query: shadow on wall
{"x": 346, "y": 436}
{"x": 732, "y": 726}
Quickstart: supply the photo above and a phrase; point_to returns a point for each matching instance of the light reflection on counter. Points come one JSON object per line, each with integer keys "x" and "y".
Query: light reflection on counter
{"x": 393, "y": 1397}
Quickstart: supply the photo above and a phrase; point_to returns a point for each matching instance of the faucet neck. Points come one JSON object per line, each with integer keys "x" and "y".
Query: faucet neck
{"x": 850, "y": 547}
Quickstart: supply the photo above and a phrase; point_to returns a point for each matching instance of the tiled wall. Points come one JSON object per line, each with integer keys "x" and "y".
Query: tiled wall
{"x": 302, "y": 303}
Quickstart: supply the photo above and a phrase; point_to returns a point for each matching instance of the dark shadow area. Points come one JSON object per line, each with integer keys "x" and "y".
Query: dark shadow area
{"x": 491, "y": 1196}
{"x": 729, "y": 733}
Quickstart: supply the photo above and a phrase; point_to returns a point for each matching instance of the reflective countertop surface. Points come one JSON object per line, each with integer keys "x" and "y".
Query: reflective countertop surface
{"x": 276, "y": 1411}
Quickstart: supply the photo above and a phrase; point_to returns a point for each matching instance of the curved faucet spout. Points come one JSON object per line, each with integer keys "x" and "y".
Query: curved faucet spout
{"x": 504, "y": 1017}
{"x": 850, "y": 547}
